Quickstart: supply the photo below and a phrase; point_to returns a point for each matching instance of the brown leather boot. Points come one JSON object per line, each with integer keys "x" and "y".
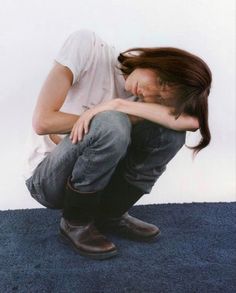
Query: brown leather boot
{"x": 129, "y": 227}
{"x": 77, "y": 224}
{"x": 117, "y": 198}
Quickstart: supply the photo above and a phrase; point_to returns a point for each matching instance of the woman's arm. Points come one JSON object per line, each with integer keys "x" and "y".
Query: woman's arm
{"x": 136, "y": 111}
{"x": 159, "y": 114}
{"x": 47, "y": 119}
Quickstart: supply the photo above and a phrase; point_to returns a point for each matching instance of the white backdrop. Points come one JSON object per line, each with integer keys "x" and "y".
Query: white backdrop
{"x": 31, "y": 32}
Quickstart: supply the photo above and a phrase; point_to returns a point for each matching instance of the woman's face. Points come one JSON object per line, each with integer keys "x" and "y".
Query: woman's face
{"x": 145, "y": 83}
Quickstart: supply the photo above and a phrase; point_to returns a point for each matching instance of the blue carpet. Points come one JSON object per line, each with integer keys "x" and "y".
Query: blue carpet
{"x": 196, "y": 252}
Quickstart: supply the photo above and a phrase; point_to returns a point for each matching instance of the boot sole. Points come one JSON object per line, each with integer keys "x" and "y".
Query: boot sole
{"x": 151, "y": 238}
{"x": 130, "y": 236}
{"x": 100, "y": 255}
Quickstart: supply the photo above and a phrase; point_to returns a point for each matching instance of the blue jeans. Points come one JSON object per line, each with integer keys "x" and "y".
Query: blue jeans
{"x": 144, "y": 148}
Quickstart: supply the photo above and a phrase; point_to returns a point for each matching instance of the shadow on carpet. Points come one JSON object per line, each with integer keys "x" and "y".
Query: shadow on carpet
{"x": 196, "y": 252}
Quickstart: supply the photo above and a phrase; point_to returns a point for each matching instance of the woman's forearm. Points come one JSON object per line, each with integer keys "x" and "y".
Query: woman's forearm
{"x": 56, "y": 122}
{"x": 157, "y": 113}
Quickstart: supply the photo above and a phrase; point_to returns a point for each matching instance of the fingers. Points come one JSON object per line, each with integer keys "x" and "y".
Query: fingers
{"x": 77, "y": 132}
{"x": 80, "y": 131}
{"x": 80, "y": 128}
{"x": 86, "y": 126}
{"x": 72, "y": 135}
{"x": 72, "y": 131}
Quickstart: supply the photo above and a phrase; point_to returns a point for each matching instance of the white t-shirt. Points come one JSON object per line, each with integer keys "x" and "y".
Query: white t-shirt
{"x": 95, "y": 79}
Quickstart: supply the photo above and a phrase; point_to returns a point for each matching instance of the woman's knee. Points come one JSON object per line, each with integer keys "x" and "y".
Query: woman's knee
{"x": 154, "y": 135}
{"x": 113, "y": 120}
{"x": 114, "y": 126}
{"x": 175, "y": 137}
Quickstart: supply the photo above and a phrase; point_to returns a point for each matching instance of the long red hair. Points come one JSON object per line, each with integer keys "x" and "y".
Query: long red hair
{"x": 187, "y": 73}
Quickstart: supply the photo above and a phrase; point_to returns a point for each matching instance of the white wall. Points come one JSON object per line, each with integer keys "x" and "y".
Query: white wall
{"x": 31, "y": 32}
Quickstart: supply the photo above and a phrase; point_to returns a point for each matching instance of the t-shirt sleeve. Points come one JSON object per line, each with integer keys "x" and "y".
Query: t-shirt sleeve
{"x": 76, "y": 52}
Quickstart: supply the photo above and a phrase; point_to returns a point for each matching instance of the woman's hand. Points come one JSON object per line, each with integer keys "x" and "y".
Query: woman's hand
{"x": 81, "y": 126}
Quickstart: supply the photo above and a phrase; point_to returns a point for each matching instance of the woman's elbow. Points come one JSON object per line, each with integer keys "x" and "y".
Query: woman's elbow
{"x": 194, "y": 124}
{"x": 38, "y": 126}
{"x": 38, "y": 129}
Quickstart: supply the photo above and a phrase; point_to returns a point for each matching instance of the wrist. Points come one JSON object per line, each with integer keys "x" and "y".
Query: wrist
{"x": 119, "y": 104}
{"x": 107, "y": 105}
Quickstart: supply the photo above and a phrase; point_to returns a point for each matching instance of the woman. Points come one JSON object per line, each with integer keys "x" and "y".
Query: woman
{"x": 126, "y": 116}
